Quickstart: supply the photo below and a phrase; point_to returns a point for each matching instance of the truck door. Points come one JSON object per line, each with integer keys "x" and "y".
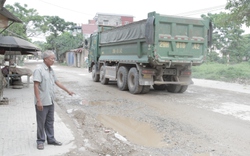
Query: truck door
{"x": 93, "y": 54}
{"x": 180, "y": 40}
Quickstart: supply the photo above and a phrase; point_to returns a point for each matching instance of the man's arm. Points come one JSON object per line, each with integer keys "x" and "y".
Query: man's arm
{"x": 37, "y": 94}
{"x": 60, "y": 85}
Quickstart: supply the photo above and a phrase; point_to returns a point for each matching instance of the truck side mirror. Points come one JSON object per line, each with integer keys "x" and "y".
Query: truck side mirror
{"x": 86, "y": 43}
{"x": 210, "y": 34}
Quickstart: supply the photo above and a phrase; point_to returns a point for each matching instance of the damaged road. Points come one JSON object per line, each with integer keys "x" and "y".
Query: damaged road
{"x": 205, "y": 120}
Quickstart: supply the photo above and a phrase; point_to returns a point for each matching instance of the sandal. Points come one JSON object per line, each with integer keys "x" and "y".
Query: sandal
{"x": 40, "y": 146}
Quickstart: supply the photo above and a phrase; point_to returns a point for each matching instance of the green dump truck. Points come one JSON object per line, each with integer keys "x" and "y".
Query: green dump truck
{"x": 158, "y": 51}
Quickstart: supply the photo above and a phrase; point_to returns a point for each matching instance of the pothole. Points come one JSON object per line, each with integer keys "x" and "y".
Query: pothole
{"x": 137, "y": 132}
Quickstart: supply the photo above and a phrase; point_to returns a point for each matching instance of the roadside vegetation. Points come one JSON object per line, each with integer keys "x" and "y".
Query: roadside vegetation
{"x": 228, "y": 59}
{"x": 238, "y": 73}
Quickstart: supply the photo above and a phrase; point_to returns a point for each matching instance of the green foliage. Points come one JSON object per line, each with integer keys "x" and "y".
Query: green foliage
{"x": 222, "y": 72}
{"x": 239, "y": 11}
{"x": 31, "y": 22}
{"x": 57, "y": 25}
{"x": 227, "y": 38}
{"x": 34, "y": 25}
{"x": 60, "y": 39}
{"x": 41, "y": 45}
{"x": 67, "y": 41}
{"x": 213, "y": 57}
{"x": 64, "y": 42}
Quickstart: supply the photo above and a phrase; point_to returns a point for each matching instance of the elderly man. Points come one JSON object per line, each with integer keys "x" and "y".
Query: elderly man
{"x": 44, "y": 81}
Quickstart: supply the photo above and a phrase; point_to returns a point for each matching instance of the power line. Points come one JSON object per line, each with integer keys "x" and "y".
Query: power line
{"x": 195, "y": 12}
{"x": 205, "y": 12}
{"x": 220, "y": 7}
{"x": 66, "y": 8}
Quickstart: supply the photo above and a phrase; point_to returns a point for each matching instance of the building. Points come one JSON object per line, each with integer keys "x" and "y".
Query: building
{"x": 113, "y": 19}
{"x": 89, "y": 28}
{"x": 77, "y": 57}
{"x": 105, "y": 19}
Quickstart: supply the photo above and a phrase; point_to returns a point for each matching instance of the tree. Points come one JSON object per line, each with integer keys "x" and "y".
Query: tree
{"x": 57, "y": 25}
{"x": 227, "y": 37}
{"x": 64, "y": 42}
{"x": 67, "y": 41}
{"x": 59, "y": 38}
{"x": 32, "y": 22}
{"x": 246, "y": 47}
{"x": 41, "y": 45}
{"x": 239, "y": 11}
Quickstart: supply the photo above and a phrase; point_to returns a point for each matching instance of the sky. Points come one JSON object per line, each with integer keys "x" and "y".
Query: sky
{"x": 80, "y": 11}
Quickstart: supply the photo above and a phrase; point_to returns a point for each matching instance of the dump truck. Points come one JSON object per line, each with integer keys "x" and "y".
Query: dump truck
{"x": 157, "y": 52}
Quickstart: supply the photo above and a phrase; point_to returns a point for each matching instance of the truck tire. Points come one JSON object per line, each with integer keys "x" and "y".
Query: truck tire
{"x": 173, "y": 88}
{"x": 183, "y": 88}
{"x": 159, "y": 87}
{"x": 102, "y": 76}
{"x": 95, "y": 76}
{"x": 133, "y": 81}
{"x": 145, "y": 89}
{"x": 122, "y": 78}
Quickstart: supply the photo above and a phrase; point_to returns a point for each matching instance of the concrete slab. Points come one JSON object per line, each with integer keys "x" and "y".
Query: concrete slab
{"x": 18, "y": 127}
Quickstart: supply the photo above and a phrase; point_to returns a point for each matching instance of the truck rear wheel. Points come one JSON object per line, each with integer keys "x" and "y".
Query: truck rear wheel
{"x": 159, "y": 87}
{"x": 173, "y": 88}
{"x": 133, "y": 81}
{"x": 122, "y": 78}
{"x": 102, "y": 76}
{"x": 183, "y": 88}
{"x": 145, "y": 89}
{"x": 95, "y": 76}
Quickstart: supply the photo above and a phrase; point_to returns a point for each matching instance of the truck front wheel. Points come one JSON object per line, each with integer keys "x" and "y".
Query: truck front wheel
{"x": 122, "y": 78}
{"x": 133, "y": 81}
{"x": 95, "y": 76}
{"x": 102, "y": 76}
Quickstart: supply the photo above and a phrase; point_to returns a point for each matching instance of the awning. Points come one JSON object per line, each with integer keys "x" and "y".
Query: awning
{"x": 11, "y": 43}
{"x": 4, "y": 12}
{"x": 79, "y": 50}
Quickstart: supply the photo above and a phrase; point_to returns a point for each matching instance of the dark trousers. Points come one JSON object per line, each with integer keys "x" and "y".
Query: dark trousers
{"x": 45, "y": 124}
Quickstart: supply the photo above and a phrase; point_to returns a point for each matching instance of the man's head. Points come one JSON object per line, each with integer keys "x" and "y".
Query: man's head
{"x": 49, "y": 58}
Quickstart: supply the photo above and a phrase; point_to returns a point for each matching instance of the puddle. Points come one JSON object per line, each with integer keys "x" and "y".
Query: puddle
{"x": 136, "y": 132}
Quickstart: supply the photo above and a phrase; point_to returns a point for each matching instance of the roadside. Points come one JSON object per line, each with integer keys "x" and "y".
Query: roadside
{"x": 18, "y": 126}
{"x": 78, "y": 119}
{"x": 236, "y": 87}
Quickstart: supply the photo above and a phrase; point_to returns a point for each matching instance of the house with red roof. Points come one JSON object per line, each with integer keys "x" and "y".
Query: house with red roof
{"x": 78, "y": 57}
{"x": 105, "y": 19}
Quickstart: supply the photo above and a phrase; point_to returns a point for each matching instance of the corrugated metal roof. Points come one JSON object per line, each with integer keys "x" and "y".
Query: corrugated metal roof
{"x": 9, "y": 15}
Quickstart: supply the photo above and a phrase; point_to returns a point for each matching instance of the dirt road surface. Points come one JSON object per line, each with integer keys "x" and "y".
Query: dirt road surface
{"x": 210, "y": 118}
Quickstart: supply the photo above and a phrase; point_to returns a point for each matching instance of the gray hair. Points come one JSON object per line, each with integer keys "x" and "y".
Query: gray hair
{"x": 47, "y": 54}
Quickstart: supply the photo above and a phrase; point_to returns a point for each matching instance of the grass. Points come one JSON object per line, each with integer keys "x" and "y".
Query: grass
{"x": 239, "y": 73}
